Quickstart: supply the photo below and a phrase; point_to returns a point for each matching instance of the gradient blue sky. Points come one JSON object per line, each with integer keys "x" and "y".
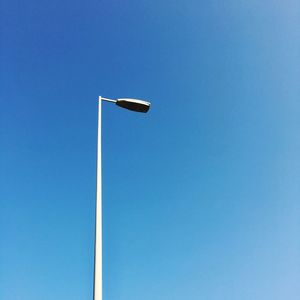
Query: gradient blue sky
{"x": 201, "y": 196}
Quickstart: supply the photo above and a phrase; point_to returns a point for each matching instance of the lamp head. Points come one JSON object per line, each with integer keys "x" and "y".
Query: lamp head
{"x": 134, "y": 104}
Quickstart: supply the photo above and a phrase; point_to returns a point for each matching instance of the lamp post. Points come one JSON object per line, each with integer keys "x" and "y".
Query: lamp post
{"x": 134, "y": 105}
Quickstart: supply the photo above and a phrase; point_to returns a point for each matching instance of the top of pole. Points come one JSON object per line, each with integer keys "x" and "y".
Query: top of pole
{"x": 130, "y": 104}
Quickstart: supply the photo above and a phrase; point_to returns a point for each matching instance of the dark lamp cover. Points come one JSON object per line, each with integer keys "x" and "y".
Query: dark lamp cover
{"x": 134, "y": 104}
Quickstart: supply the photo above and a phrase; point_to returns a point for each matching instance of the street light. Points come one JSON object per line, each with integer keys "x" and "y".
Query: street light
{"x": 134, "y": 105}
{"x": 131, "y": 104}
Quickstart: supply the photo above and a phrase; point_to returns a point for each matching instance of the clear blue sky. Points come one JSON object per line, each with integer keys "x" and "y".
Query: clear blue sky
{"x": 201, "y": 195}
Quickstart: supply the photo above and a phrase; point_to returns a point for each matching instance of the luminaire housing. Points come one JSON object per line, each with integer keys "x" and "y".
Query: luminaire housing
{"x": 134, "y": 104}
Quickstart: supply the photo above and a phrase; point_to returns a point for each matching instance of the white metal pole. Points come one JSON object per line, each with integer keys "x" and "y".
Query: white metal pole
{"x": 98, "y": 221}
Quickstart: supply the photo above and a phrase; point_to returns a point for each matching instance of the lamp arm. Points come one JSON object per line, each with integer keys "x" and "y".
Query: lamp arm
{"x": 108, "y": 100}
